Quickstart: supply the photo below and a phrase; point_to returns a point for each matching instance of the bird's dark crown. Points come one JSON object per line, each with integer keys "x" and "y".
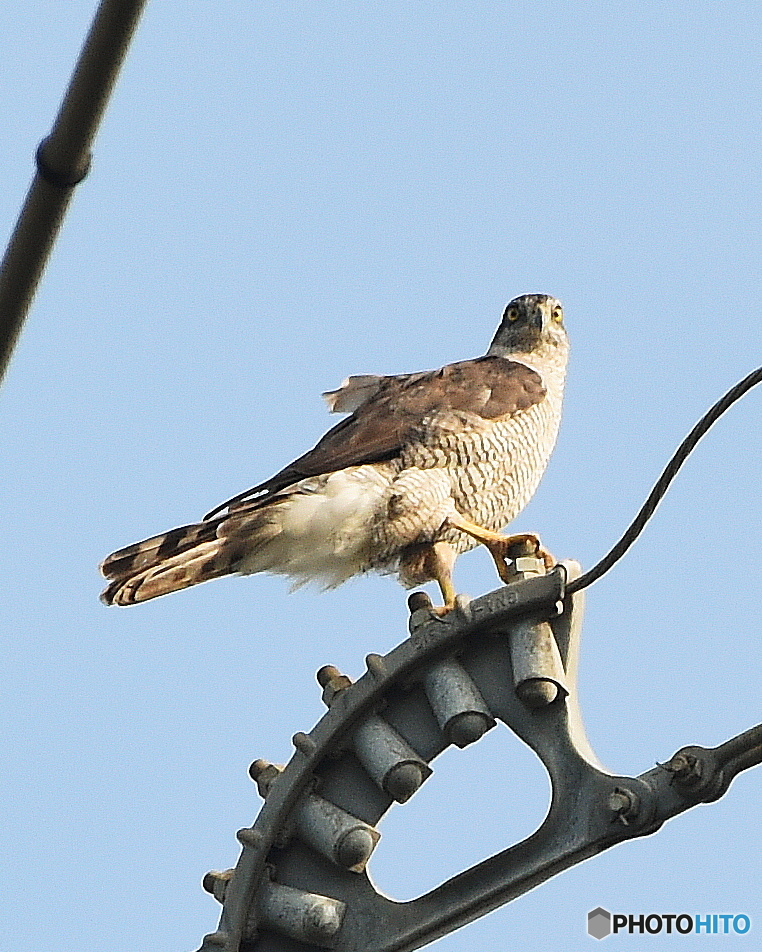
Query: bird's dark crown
{"x": 529, "y": 322}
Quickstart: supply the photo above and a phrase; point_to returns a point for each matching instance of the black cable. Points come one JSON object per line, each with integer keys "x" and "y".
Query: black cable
{"x": 656, "y": 494}
{"x": 63, "y": 159}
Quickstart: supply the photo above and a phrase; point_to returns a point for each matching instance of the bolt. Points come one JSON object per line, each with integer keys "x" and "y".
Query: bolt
{"x": 418, "y": 601}
{"x": 332, "y": 681}
{"x": 327, "y": 673}
{"x": 529, "y": 565}
{"x": 216, "y": 883}
{"x": 263, "y": 773}
{"x": 687, "y": 769}
{"x": 421, "y": 611}
{"x": 624, "y": 804}
{"x": 523, "y": 559}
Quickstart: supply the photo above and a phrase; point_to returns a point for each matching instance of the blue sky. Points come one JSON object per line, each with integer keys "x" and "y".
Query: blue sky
{"x": 283, "y": 194}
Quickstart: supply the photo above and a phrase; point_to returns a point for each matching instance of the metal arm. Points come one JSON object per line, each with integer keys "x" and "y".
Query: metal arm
{"x": 301, "y": 883}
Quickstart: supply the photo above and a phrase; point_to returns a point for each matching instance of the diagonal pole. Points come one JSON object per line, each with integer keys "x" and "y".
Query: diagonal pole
{"x": 63, "y": 160}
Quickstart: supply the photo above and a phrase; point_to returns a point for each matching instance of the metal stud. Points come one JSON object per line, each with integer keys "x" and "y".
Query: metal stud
{"x": 392, "y": 763}
{"x": 341, "y": 837}
{"x": 538, "y": 673}
{"x": 306, "y": 917}
{"x": 216, "y": 883}
{"x": 333, "y": 682}
{"x": 264, "y": 774}
{"x": 457, "y": 704}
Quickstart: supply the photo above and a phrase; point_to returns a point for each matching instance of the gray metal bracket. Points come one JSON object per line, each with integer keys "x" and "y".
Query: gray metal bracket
{"x": 301, "y": 880}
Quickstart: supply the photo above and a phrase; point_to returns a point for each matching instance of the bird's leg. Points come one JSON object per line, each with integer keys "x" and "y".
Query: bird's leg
{"x": 440, "y": 560}
{"x": 498, "y": 545}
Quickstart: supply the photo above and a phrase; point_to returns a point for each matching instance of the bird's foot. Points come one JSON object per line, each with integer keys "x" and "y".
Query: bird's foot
{"x": 508, "y": 551}
{"x": 504, "y": 549}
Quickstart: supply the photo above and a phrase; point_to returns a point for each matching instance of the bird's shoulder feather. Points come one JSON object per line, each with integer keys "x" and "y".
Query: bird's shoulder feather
{"x": 385, "y": 411}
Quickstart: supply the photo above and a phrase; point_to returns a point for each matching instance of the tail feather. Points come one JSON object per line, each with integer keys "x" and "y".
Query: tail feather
{"x": 317, "y": 530}
{"x": 206, "y": 561}
{"x": 150, "y": 552}
{"x": 166, "y": 563}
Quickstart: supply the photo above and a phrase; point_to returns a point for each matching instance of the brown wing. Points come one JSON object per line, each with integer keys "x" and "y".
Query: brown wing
{"x": 491, "y": 387}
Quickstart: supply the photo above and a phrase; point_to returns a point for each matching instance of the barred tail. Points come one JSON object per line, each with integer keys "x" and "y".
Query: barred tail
{"x": 167, "y": 563}
{"x": 314, "y": 531}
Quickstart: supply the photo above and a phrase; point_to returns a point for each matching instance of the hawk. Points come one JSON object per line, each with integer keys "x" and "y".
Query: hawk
{"x": 426, "y": 466}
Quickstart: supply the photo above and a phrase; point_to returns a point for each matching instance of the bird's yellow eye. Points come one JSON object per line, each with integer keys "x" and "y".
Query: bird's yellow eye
{"x": 512, "y": 313}
{"x": 558, "y": 313}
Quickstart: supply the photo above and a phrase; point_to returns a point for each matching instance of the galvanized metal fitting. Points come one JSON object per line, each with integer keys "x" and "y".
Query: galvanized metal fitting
{"x": 304, "y": 916}
{"x": 216, "y": 883}
{"x": 430, "y": 690}
{"x": 388, "y": 759}
{"x": 458, "y": 706}
{"x": 264, "y": 774}
{"x": 344, "y": 839}
{"x": 538, "y": 671}
{"x": 624, "y": 805}
{"x": 333, "y": 682}
{"x": 686, "y": 768}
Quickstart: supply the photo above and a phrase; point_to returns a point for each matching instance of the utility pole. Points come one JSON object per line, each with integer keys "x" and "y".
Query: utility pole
{"x": 301, "y": 882}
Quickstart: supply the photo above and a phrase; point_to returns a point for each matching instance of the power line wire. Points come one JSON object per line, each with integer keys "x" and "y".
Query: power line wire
{"x": 670, "y": 471}
{"x": 63, "y": 159}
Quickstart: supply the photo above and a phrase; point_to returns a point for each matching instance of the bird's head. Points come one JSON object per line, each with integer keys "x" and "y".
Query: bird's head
{"x": 530, "y": 322}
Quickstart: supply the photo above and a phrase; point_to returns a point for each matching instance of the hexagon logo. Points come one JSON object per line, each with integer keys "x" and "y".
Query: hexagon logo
{"x": 599, "y": 923}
